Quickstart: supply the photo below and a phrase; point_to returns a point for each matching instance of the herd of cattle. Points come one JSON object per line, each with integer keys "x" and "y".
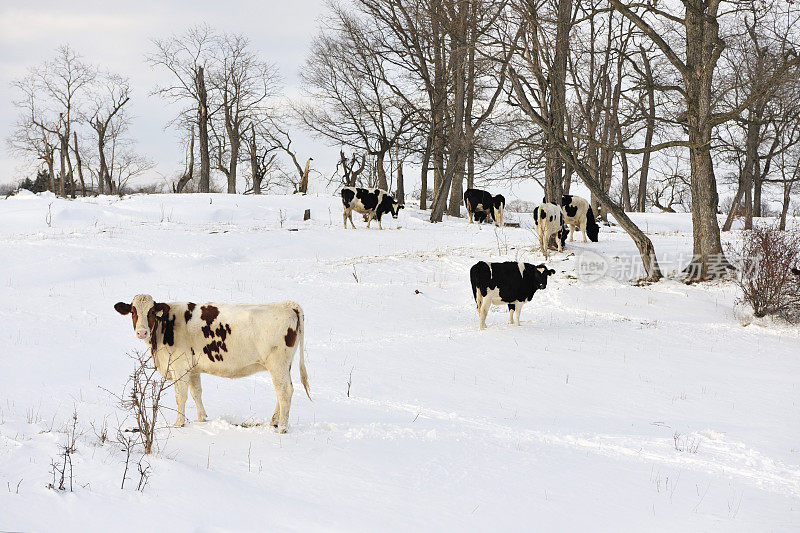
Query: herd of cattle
{"x": 236, "y": 340}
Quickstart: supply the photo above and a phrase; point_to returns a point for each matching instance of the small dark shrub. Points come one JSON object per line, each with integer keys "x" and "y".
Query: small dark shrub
{"x": 768, "y": 260}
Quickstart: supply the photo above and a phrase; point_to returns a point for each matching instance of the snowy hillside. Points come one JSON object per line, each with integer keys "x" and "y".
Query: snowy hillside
{"x": 613, "y": 407}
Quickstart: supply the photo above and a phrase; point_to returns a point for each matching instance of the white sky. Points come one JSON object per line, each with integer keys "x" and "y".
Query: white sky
{"x": 116, "y": 36}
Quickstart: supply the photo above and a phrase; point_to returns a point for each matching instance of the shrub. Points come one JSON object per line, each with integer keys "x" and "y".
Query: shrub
{"x": 768, "y": 261}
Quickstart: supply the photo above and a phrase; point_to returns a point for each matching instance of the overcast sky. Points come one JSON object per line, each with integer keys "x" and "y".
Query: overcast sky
{"x": 116, "y": 36}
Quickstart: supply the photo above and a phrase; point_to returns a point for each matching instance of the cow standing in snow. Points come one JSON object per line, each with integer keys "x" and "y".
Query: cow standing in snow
{"x": 508, "y": 283}
{"x": 549, "y": 221}
{"x": 490, "y": 206}
{"x": 578, "y": 212}
{"x": 226, "y": 340}
{"x": 372, "y": 203}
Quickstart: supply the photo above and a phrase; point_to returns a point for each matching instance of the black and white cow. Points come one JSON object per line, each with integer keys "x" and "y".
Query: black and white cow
{"x": 508, "y": 283}
{"x": 578, "y": 212}
{"x": 477, "y": 200}
{"x": 549, "y": 221}
{"x": 226, "y": 340}
{"x": 372, "y": 203}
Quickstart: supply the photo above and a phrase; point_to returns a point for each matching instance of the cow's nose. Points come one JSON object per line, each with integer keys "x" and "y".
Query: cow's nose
{"x": 142, "y": 334}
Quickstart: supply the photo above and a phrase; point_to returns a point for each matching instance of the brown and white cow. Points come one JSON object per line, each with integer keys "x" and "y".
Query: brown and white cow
{"x": 226, "y": 340}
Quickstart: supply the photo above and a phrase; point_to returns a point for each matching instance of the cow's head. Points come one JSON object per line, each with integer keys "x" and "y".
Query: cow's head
{"x": 542, "y": 272}
{"x": 144, "y": 312}
{"x": 395, "y": 208}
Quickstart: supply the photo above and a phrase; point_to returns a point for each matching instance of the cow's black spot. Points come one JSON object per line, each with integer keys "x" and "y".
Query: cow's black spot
{"x": 368, "y": 198}
{"x": 209, "y": 313}
{"x": 571, "y": 210}
{"x": 221, "y": 332}
{"x": 290, "y": 337}
{"x": 213, "y": 348}
{"x": 168, "y": 329}
{"x": 347, "y": 197}
{"x": 187, "y": 315}
{"x": 207, "y": 331}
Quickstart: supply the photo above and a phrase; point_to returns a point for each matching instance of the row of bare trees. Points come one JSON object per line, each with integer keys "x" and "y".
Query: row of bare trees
{"x": 227, "y": 98}
{"x": 73, "y": 118}
{"x": 555, "y": 89}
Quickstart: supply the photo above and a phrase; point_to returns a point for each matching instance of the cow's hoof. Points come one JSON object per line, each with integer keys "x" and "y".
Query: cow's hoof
{"x": 179, "y": 424}
{"x": 280, "y": 430}
{"x": 202, "y": 418}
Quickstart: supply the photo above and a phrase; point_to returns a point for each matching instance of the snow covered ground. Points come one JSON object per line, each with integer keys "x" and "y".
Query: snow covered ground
{"x": 612, "y": 408}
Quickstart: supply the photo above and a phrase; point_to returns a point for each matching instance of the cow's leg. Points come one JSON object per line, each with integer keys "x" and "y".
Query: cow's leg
{"x": 510, "y": 313}
{"x": 344, "y": 218}
{"x": 583, "y": 229}
{"x": 181, "y": 385}
{"x": 276, "y": 414}
{"x": 517, "y": 313}
{"x": 469, "y": 211}
{"x": 571, "y": 231}
{"x": 558, "y": 242}
{"x": 197, "y": 395}
{"x": 369, "y": 218}
{"x": 542, "y": 241}
{"x": 486, "y": 304}
{"x": 282, "y": 380}
{"x": 350, "y": 217}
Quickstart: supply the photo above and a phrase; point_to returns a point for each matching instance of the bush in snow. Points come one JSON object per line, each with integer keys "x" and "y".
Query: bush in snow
{"x": 768, "y": 263}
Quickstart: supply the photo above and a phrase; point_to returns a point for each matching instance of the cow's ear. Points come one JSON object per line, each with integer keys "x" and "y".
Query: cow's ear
{"x": 161, "y": 309}
{"x": 122, "y": 308}
{"x": 551, "y": 272}
{"x": 401, "y": 206}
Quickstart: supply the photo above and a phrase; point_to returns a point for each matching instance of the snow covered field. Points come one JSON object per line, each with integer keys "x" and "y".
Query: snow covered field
{"x": 613, "y": 407}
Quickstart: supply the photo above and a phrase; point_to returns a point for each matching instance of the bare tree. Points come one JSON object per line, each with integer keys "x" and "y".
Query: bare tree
{"x": 695, "y": 59}
{"x": 186, "y": 58}
{"x": 50, "y": 103}
{"x": 353, "y": 103}
{"x": 243, "y": 83}
{"x": 106, "y": 116}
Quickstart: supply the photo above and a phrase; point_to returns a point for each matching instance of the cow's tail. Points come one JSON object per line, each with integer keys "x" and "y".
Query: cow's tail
{"x": 301, "y": 333}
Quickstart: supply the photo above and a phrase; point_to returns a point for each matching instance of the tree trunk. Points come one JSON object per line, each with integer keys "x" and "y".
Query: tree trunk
{"x": 255, "y": 174}
{"x": 78, "y": 163}
{"x": 457, "y": 143}
{"x": 189, "y": 174}
{"x": 650, "y": 126}
{"x": 70, "y": 174}
{"x": 757, "y": 187}
{"x": 51, "y": 171}
{"x": 702, "y": 34}
{"x": 787, "y": 198}
{"x": 426, "y": 161}
{"x": 400, "y": 195}
{"x": 553, "y": 177}
{"x": 233, "y": 165}
{"x": 63, "y": 169}
{"x": 734, "y": 206}
{"x": 202, "y": 129}
{"x": 382, "y": 182}
{"x": 303, "y": 189}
